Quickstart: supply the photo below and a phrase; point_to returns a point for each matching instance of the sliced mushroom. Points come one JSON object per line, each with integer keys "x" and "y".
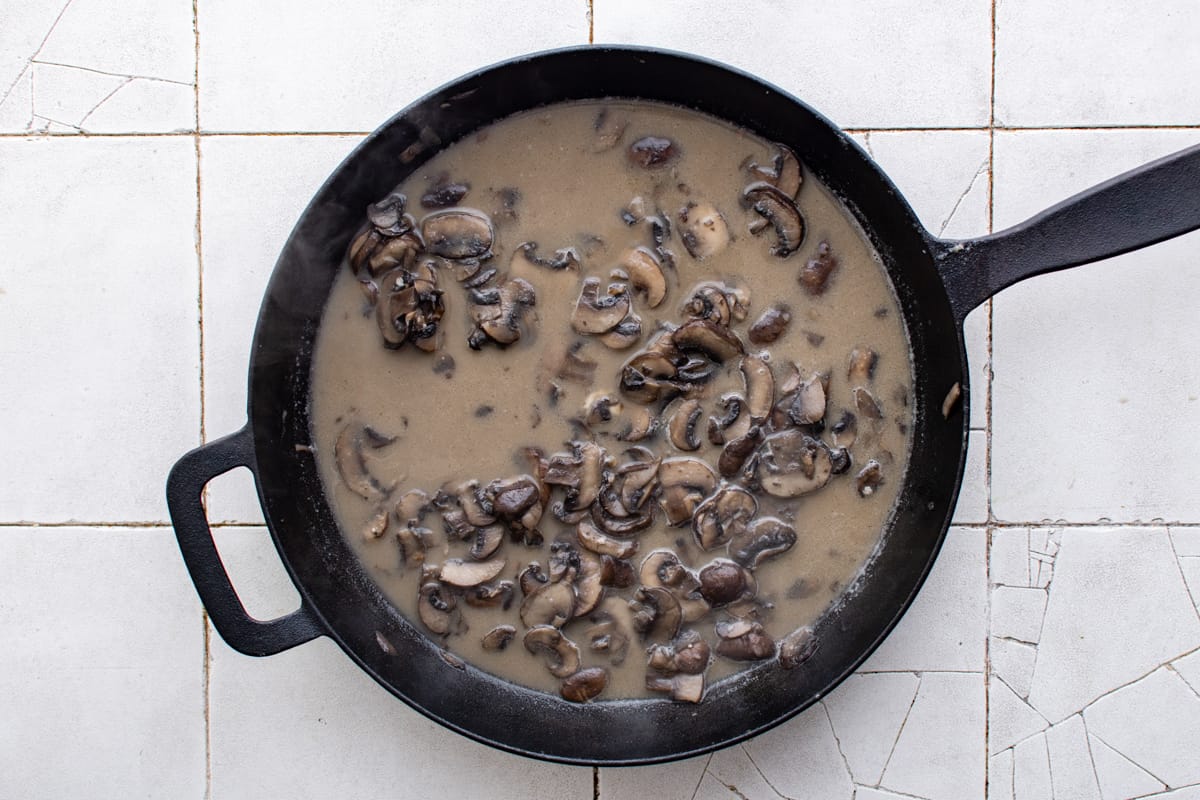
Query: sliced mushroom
{"x": 609, "y": 127}
{"x": 601, "y": 543}
{"x": 532, "y": 579}
{"x": 862, "y": 365}
{"x": 869, "y": 478}
{"x": 682, "y": 428}
{"x": 377, "y": 524}
{"x": 656, "y": 614}
{"x": 471, "y": 501}
{"x": 797, "y": 647}
{"x": 563, "y": 561}
{"x": 640, "y": 423}
{"x": 553, "y": 604}
{"x": 607, "y": 636}
{"x": 412, "y": 507}
{"x": 766, "y": 538}
{"x": 662, "y": 569}
{"x": 685, "y": 482}
{"x": 413, "y": 541}
{"x": 457, "y": 572}
{"x": 397, "y": 251}
{"x": 498, "y": 637}
{"x": 808, "y": 403}
{"x": 627, "y": 333}
{"x": 754, "y": 644}
{"x": 683, "y": 687}
{"x": 840, "y": 459}
{"x": 814, "y": 276}
{"x": 514, "y": 498}
{"x": 638, "y": 478}
{"x": 793, "y": 464}
{"x": 760, "y": 387}
{"x": 703, "y": 230}
{"x": 584, "y": 685}
{"x": 711, "y": 301}
{"x": 723, "y": 582}
{"x": 735, "y": 454}
{"x": 587, "y": 473}
{"x": 589, "y": 586}
{"x": 560, "y": 653}
{"x": 563, "y": 258}
{"x": 458, "y": 233}
{"x": 783, "y": 173}
{"x": 349, "y": 457}
{"x": 596, "y": 314}
{"x": 498, "y": 594}
{"x": 621, "y": 526}
{"x": 445, "y": 194}
{"x": 866, "y": 404}
{"x": 616, "y": 572}
{"x": 652, "y": 152}
{"x": 705, "y": 336}
{"x": 780, "y": 212}
{"x": 723, "y": 516}
{"x": 498, "y": 313}
{"x": 688, "y": 653}
{"x": 845, "y": 430}
{"x": 435, "y": 607}
{"x": 645, "y": 275}
{"x": 772, "y": 324}
{"x": 486, "y": 542}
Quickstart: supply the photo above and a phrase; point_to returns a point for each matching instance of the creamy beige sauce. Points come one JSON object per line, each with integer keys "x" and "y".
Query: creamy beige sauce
{"x": 474, "y": 421}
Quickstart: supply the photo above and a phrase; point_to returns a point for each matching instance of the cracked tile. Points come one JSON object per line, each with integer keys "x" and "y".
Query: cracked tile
{"x": 1000, "y": 776}
{"x": 1013, "y": 663}
{"x": 867, "y": 712}
{"x": 1017, "y": 613}
{"x": 972, "y": 496}
{"x": 26, "y": 23}
{"x": 1010, "y": 719}
{"x": 678, "y": 780}
{"x": 252, "y": 82}
{"x": 733, "y": 769}
{"x": 146, "y": 106}
{"x": 800, "y": 759}
{"x": 1186, "y": 541}
{"x": 867, "y": 793}
{"x": 1184, "y": 793}
{"x": 103, "y": 677}
{"x": 1031, "y": 770}
{"x": 123, "y": 396}
{"x": 710, "y": 788}
{"x": 1071, "y": 770}
{"x": 946, "y": 626}
{"x": 1120, "y": 778}
{"x": 67, "y": 95}
{"x": 1155, "y": 723}
{"x": 945, "y": 728}
{"x": 1117, "y": 610}
{"x": 1190, "y": 568}
{"x": 16, "y": 110}
{"x": 1188, "y": 668}
{"x": 147, "y": 38}
{"x": 1010, "y": 557}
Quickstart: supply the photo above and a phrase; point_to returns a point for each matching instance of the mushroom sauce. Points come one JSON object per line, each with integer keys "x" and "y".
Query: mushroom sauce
{"x": 611, "y": 400}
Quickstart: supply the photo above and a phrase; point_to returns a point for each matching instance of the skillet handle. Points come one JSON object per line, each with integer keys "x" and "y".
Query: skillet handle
{"x": 1139, "y": 208}
{"x": 239, "y": 630}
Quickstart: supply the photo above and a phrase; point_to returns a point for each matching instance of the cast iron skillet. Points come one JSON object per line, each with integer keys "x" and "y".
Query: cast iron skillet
{"x": 937, "y": 283}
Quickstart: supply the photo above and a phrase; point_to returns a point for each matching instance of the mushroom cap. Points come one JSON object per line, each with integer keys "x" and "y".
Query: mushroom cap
{"x": 716, "y": 341}
{"x": 760, "y": 386}
{"x": 552, "y": 604}
{"x": 584, "y": 684}
{"x": 600, "y": 543}
{"x": 435, "y": 607}
{"x": 723, "y": 516}
{"x": 561, "y": 654}
{"x": 781, "y": 212}
{"x": 703, "y": 230}
{"x": 645, "y": 275}
{"x": 722, "y": 582}
{"x": 458, "y": 233}
{"x": 681, "y": 429}
{"x": 457, "y": 572}
{"x": 793, "y": 463}
{"x": 766, "y": 538}
{"x": 498, "y": 637}
{"x": 596, "y": 314}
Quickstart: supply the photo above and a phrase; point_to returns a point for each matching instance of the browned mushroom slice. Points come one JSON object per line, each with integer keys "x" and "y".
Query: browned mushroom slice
{"x": 735, "y": 454}
{"x": 458, "y": 233}
{"x": 498, "y": 594}
{"x": 766, "y": 538}
{"x": 723, "y": 582}
{"x": 498, "y": 637}
{"x": 516, "y": 501}
{"x": 685, "y": 482}
{"x": 563, "y": 258}
{"x": 862, "y": 365}
{"x": 563, "y": 561}
{"x": 797, "y": 647}
{"x": 617, "y": 572}
{"x": 866, "y": 404}
{"x": 793, "y": 463}
{"x": 413, "y": 541}
{"x": 388, "y": 215}
{"x": 682, "y": 429}
{"x": 808, "y": 403}
{"x": 349, "y": 456}
{"x": 560, "y": 653}
{"x": 640, "y": 424}
{"x": 638, "y": 478}
{"x": 754, "y": 644}
{"x": 772, "y": 324}
{"x": 716, "y": 341}
{"x": 397, "y": 251}
{"x": 445, "y": 194}
{"x": 688, "y": 653}
{"x": 656, "y": 614}
{"x": 662, "y": 569}
{"x": 601, "y": 543}
{"x": 606, "y": 636}
{"x": 435, "y": 607}
{"x": 840, "y": 460}
{"x": 780, "y": 212}
{"x": 709, "y": 301}
{"x": 683, "y": 687}
{"x": 645, "y": 275}
{"x": 584, "y": 685}
{"x": 532, "y": 579}
{"x": 723, "y": 516}
{"x": 471, "y": 501}
{"x": 814, "y": 276}
{"x": 582, "y": 474}
{"x": 622, "y": 526}
{"x": 596, "y": 314}
{"x": 552, "y": 604}
{"x": 652, "y": 152}
{"x": 869, "y": 478}
{"x": 627, "y": 333}
{"x": 412, "y": 507}
{"x": 845, "y": 430}
{"x": 703, "y": 230}
{"x": 760, "y": 387}
{"x": 486, "y": 542}
{"x": 377, "y": 524}
{"x": 609, "y": 127}
{"x": 783, "y": 172}
{"x": 498, "y": 313}
{"x": 589, "y": 586}
{"x": 456, "y": 525}
{"x": 457, "y": 572}
{"x": 650, "y": 375}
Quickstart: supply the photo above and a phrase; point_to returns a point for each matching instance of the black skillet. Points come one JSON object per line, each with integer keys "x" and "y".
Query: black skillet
{"x": 937, "y": 283}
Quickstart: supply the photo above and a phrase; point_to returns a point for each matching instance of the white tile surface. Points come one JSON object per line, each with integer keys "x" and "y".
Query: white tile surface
{"x": 890, "y": 65}
{"x": 973, "y": 495}
{"x": 1031, "y": 770}
{"x": 254, "y": 189}
{"x": 279, "y": 66}
{"x": 102, "y": 676}
{"x": 1072, "y": 772}
{"x": 1075, "y": 394}
{"x": 1010, "y": 719}
{"x": 1118, "y": 776}
{"x": 1081, "y": 63}
{"x": 867, "y": 713}
{"x": 92, "y": 438}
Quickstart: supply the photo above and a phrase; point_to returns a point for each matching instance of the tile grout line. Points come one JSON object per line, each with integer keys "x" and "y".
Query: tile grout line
{"x": 591, "y": 20}
{"x": 987, "y": 441}
{"x": 199, "y": 230}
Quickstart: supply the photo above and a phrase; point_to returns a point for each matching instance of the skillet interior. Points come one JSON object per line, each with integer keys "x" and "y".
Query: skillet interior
{"x": 472, "y": 702}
